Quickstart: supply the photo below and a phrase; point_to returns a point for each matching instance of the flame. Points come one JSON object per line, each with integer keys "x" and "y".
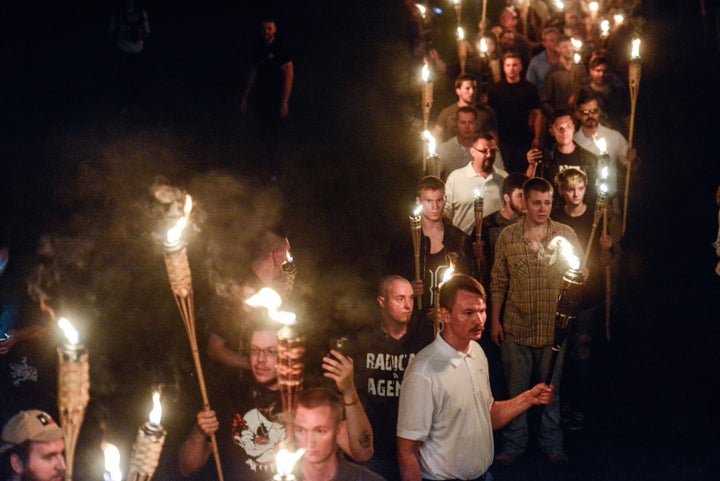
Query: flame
{"x": 173, "y": 235}
{"x": 477, "y": 193}
{"x": 426, "y": 73}
{"x": 70, "y": 333}
{"x": 417, "y": 211}
{"x": 112, "y": 462}
{"x": 156, "y": 413}
{"x": 604, "y": 173}
{"x": 271, "y": 300}
{"x": 432, "y": 144}
{"x": 635, "y": 53}
{"x": 448, "y": 273}
{"x": 618, "y": 18}
{"x": 559, "y": 4}
{"x": 285, "y": 461}
{"x": 593, "y": 7}
{"x": 460, "y": 33}
{"x": 577, "y": 58}
{"x": 288, "y": 257}
{"x": 566, "y": 251}
{"x": 605, "y": 27}
{"x": 601, "y": 145}
{"x": 483, "y": 46}
{"x": 577, "y": 44}
{"x": 423, "y": 10}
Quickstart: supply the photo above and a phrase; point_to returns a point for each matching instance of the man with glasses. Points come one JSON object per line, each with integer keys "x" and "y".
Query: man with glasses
{"x": 478, "y": 177}
{"x": 589, "y": 112}
{"x": 248, "y": 419}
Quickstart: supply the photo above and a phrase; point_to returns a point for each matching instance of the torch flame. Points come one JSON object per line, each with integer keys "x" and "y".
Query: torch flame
{"x": 426, "y": 73}
{"x": 431, "y": 142}
{"x": 70, "y": 333}
{"x": 605, "y": 27}
{"x": 417, "y": 211}
{"x": 423, "y": 10}
{"x": 635, "y": 53}
{"x": 477, "y": 193}
{"x": 604, "y": 173}
{"x": 602, "y": 145}
{"x": 285, "y": 461}
{"x": 265, "y": 297}
{"x": 112, "y": 462}
{"x": 559, "y": 5}
{"x": 173, "y": 235}
{"x": 577, "y": 58}
{"x": 593, "y": 7}
{"x": 460, "y": 33}
{"x": 448, "y": 273}
{"x": 618, "y": 18}
{"x": 577, "y": 44}
{"x": 566, "y": 251}
{"x": 271, "y": 300}
{"x": 156, "y": 413}
{"x": 483, "y": 46}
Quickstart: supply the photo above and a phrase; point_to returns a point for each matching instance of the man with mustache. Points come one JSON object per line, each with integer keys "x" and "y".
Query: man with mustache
{"x": 32, "y": 448}
{"x": 447, "y": 411}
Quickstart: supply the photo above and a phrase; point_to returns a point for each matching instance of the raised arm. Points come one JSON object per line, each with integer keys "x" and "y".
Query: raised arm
{"x": 358, "y": 441}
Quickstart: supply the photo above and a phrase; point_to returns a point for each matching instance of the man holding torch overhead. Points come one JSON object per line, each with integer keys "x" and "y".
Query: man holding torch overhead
{"x": 441, "y": 245}
{"x": 526, "y": 281}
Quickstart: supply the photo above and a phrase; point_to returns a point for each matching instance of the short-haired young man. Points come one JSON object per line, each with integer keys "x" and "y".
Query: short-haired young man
{"x": 466, "y": 91}
{"x": 447, "y": 411}
{"x": 441, "y": 244}
{"x": 32, "y": 448}
{"x": 319, "y": 427}
{"x": 526, "y": 280}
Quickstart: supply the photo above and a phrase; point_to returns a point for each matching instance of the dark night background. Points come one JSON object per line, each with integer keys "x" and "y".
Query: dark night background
{"x": 75, "y": 169}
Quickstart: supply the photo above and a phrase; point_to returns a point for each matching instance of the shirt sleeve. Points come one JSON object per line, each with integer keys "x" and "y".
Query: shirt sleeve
{"x": 416, "y": 407}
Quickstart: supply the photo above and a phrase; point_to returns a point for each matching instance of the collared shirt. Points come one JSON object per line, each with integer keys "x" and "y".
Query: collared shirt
{"x": 528, "y": 279}
{"x": 460, "y": 195}
{"x": 445, "y": 403}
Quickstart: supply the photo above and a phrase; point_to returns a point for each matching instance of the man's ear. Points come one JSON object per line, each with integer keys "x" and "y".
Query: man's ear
{"x": 17, "y": 464}
{"x": 381, "y": 302}
{"x": 341, "y": 431}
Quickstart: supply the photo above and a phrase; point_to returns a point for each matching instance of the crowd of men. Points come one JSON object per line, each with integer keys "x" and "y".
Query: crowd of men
{"x": 417, "y": 392}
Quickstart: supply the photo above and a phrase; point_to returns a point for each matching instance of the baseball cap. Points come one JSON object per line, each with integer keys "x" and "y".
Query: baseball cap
{"x": 31, "y": 425}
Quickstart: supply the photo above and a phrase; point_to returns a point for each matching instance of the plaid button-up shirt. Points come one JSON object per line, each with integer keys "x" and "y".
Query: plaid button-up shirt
{"x": 527, "y": 278}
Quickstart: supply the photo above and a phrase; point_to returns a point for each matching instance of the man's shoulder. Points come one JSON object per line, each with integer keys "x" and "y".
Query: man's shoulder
{"x": 354, "y": 472}
{"x": 448, "y": 111}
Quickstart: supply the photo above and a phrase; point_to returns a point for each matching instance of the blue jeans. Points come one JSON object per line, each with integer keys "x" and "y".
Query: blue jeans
{"x": 524, "y": 367}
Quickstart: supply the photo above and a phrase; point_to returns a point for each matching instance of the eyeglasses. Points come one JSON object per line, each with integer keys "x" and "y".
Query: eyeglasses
{"x": 484, "y": 151}
{"x": 269, "y": 352}
{"x": 590, "y": 111}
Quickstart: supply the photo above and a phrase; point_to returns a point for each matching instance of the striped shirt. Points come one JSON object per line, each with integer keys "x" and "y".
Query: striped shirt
{"x": 528, "y": 279}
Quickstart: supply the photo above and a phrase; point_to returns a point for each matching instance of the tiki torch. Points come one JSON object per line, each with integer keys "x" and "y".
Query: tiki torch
{"x": 568, "y": 303}
{"x": 148, "y": 445}
{"x": 285, "y": 461}
{"x": 432, "y": 157}
{"x": 437, "y": 318}
{"x": 289, "y": 271}
{"x": 73, "y": 389}
{"x": 479, "y": 204}
{"x": 291, "y": 353}
{"x": 602, "y": 195}
{"x": 112, "y": 462}
{"x": 416, "y": 232}
{"x": 427, "y": 95}
{"x": 462, "y": 49}
{"x": 634, "y": 74}
{"x": 178, "y": 270}
{"x": 483, "y": 18}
